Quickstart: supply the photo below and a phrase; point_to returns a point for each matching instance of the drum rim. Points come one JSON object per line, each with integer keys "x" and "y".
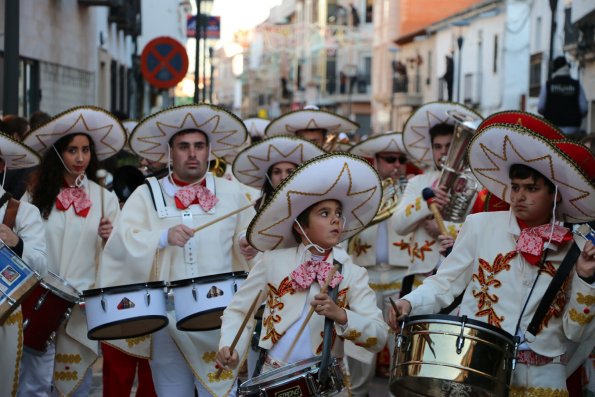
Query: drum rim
{"x": 59, "y": 292}
{"x": 457, "y": 320}
{"x": 127, "y": 320}
{"x": 212, "y": 278}
{"x": 124, "y": 288}
{"x": 310, "y": 361}
{"x": 194, "y": 315}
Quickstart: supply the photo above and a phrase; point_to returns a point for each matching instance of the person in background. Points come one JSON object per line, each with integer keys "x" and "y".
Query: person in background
{"x": 562, "y": 100}
{"x": 15, "y": 180}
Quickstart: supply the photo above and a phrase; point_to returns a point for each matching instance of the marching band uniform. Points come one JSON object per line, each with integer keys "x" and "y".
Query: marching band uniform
{"x": 180, "y": 360}
{"x": 491, "y": 264}
{"x": 31, "y": 248}
{"x": 72, "y": 246}
{"x": 377, "y": 248}
{"x": 422, "y": 248}
{"x": 278, "y": 271}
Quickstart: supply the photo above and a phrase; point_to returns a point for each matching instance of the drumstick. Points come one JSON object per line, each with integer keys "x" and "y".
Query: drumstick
{"x": 324, "y": 289}
{"x": 247, "y": 317}
{"x": 232, "y": 213}
{"x": 428, "y": 195}
{"x": 101, "y": 174}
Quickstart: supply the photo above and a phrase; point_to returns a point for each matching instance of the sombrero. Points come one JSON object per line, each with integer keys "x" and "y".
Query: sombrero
{"x": 388, "y": 142}
{"x": 416, "y": 132}
{"x": 129, "y": 126}
{"x": 225, "y": 131}
{"x": 252, "y": 164}
{"x": 101, "y": 126}
{"x": 524, "y": 119}
{"x": 343, "y": 177}
{"x": 256, "y": 126}
{"x": 569, "y": 165}
{"x": 15, "y": 154}
{"x": 291, "y": 122}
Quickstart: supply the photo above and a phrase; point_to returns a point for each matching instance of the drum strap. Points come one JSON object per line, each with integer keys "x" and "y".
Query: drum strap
{"x": 552, "y": 290}
{"x": 327, "y": 339}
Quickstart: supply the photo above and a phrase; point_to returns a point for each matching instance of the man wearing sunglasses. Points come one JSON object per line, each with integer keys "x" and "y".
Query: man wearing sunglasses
{"x": 376, "y": 248}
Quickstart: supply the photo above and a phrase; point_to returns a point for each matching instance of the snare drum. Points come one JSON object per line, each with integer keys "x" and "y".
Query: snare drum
{"x": 125, "y": 311}
{"x": 17, "y": 280}
{"x": 440, "y": 355}
{"x": 200, "y": 302}
{"x": 45, "y": 309}
{"x": 299, "y": 379}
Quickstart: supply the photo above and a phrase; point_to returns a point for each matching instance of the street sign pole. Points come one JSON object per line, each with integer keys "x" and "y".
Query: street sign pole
{"x": 197, "y": 25}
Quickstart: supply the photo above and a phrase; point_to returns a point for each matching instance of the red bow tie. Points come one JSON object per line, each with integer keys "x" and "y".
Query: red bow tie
{"x": 75, "y": 196}
{"x": 532, "y": 239}
{"x": 308, "y": 272}
{"x": 195, "y": 194}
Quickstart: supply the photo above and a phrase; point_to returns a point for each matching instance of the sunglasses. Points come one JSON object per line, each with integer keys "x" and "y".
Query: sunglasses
{"x": 402, "y": 159}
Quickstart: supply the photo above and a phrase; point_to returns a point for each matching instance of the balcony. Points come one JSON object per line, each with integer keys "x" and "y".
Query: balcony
{"x": 127, "y": 17}
{"x": 413, "y": 99}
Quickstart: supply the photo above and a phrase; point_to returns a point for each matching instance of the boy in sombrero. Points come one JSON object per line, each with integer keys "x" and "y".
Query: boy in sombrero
{"x": 325, "y": 201}
{"x": 504, "y": 261}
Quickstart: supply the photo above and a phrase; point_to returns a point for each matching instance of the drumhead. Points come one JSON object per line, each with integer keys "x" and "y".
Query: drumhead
{"x": 60, "y": 287}
{"x": 124, "y": 288}
{"x": 279, "y": 374}
{"x": 455, "y": 320}
{"x": 128, "y": 328}
{"x": 208, "y": 279}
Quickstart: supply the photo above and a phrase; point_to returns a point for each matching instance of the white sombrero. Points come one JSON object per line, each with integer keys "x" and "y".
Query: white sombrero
{"x": 343, "y": 177}
{"x": 16, "y": 155}
{"x": 291, "y": 122}
{"x": 388, "y": 142}
{"x": 416, "y": 133}
{"x": 129, "y": 126}
{"x": 569, "y": 165}
{"x": 256, "y": 126}
{"x": 252, "y": 164}
{"x": 101, "y": 126}
{"x": 225, "y": 131}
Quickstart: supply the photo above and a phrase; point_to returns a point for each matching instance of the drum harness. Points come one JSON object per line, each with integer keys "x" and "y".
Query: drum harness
{"x": 327, "y": 340}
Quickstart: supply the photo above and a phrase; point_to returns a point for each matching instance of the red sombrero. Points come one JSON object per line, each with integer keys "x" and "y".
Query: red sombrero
{"x": 569, "y": 165}
{"x": 524, "y": 119}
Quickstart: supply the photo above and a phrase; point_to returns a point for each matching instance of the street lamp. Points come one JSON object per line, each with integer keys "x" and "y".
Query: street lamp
{"x": 460, "y": 24}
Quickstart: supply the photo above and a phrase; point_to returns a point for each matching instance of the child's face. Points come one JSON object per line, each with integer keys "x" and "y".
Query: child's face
{"x": 325, "y": 224}
{"x": 531, "y": 201}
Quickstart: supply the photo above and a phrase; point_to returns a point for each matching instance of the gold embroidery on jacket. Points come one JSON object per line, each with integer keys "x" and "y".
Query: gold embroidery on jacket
{"x": 583, "y": 299}
{"x": 274, "y": 305}
{"x": 368, "y": 343}
{"x": 537, "y": 392}
{"x": 352, "y": 335}
{"x": 226, "y": 374}
{"x": 68, "y": 358}
{"x": 15, "y": 379}
{"x": 209, "y": 357}
{"x": 548, "y": 268}
{"x": 66, "y": 375}
{"x": 485, "y": 276}
{"x": 581, "y": 318}
{"x": 136, "y": 341}
{"x": 557, "y": 306}
{"x": 358, "y": 247}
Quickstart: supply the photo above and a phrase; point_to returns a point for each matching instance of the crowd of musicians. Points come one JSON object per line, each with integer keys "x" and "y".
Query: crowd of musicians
{"x": 340, "y": 246}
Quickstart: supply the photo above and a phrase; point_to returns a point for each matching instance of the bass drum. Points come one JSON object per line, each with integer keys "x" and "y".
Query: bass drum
{"x": 441, "y": 355}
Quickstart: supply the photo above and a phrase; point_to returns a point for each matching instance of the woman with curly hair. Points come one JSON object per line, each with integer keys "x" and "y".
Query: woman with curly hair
{"x": 78, "y": 214}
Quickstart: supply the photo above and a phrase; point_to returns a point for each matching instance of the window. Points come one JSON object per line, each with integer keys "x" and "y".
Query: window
{"x": 535, "y": 74}
{"x": 537, "y": 34}
{"x": 429, "y": 76}
{"x": 468, "y": 89}
{"x": 369, "y": 11}
{"x": 496, "y": 49}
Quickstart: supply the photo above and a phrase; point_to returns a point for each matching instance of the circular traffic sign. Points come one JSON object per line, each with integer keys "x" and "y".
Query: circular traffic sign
{"x": 164, "y": 62}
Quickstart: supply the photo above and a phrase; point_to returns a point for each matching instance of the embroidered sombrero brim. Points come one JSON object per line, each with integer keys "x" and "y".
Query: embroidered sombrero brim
{"x": 346, "y": 178}
{"x": 570, "y": 166}
{"x": 416, "y": 132}
{"x": 129, "y": 126}
{"x": 252, "y": 164}
{"x": 224, "y": 130}
{"x": 101, "y": 126}
{"x": 291, "y": 122}
{"x": 524, "y": 119}
{"x": 16, "y": 155}
{"x": 389, "y": 142}
{"x": 256, "y": 126}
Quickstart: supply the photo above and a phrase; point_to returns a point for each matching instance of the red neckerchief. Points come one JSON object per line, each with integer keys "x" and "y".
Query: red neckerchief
{"x": 532, "y": 239}
{"x": 194, "y": 194}
{"x": 76, "y": 197}
{"x": 310, "y": 271}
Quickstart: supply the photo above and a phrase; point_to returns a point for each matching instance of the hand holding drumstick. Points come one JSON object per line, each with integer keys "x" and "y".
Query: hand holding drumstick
{"x": 397, "y": 312}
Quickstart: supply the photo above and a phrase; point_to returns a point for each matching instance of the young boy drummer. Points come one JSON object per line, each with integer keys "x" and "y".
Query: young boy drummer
{"x": 325, "y": 201}
{"x": 505, "y": 268}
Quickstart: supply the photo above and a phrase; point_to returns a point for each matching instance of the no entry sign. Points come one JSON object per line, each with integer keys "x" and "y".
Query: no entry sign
{"x": 164, "y": 62}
